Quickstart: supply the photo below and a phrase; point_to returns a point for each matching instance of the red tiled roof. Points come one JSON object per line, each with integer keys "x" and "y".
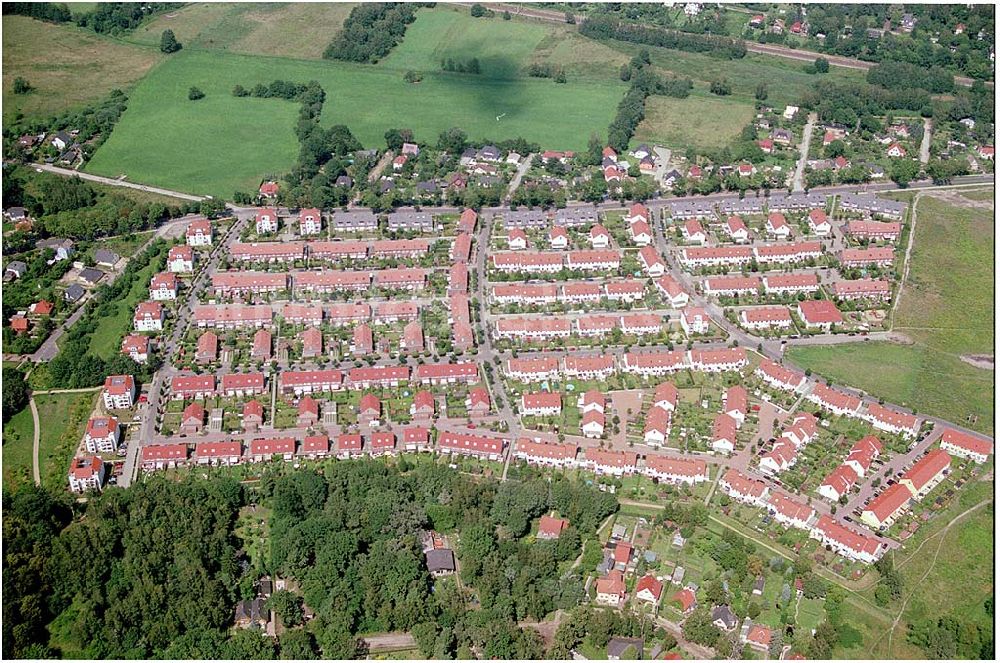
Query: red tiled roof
{"x": 889, "y": 501}
{"x": 552, "y": 527}
{"x": 650, "y": 583}
{"x": 927, "y": 468}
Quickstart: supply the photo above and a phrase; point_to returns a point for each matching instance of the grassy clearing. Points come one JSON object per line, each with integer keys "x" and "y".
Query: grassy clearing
{"x": 501, "y": 46}
{"x": 68, "y": 66}
{"x": 947, "y": 302}
{"x": 17, "y": 447}
{"x": 221, "y": 143}
{"x": 287, "y": 29}
{"x": 63, "y": 419}
{"x": 979, "y": 194}
{"x": 699, "y": 121}
{"x": 105, "y": 341}
{"x": 947, "y": 309}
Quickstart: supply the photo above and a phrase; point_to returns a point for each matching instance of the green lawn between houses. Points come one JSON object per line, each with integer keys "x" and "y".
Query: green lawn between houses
{"x": 947, "y": 310}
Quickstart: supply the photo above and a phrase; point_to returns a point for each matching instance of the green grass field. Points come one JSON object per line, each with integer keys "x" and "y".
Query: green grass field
{"x": 295, "y": 30}
{"x": 700, "y": 121}
{"x": 500, "y": 46}
{"x": 17, "y": 439}
{"x": 946, "y": 309}
{"x": 197, "y": 152}
{"x": 63, "y": 419}
{"x": 67, "y": 66}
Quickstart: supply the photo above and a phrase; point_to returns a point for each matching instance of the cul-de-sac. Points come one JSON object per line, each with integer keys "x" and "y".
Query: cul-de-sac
{"x": 498, "y": 331}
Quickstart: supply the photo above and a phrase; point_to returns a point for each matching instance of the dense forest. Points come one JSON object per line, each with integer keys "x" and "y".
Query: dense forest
{"x": 370, "y": 31}
{"x": 156, "y": 571}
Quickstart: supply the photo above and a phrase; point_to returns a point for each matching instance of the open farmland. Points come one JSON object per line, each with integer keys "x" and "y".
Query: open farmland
{"x": 67, "y": 66}
{"x": 285, "y": 29}
{"x": 947, "y": 310}
{"x": 222, "y": 143}
{"x": 702, "y": 122}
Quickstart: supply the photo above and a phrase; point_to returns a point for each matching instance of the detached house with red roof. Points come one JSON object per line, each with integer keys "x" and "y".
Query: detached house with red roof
{"x": 136, "y": 346}
{"x": 649, "y": 589}
{"x": 896, "y": 151}
{"x": 651, "y": 262}
{"x": 102, "y": 435}
{"x": 192, "y": 419}
{"x": 86, "y": 474}
{"x": 692, "y": 231}
{"x": 685, "y": 600}
{"x": 119, "y": 392}
{"x": 149, "y": 316}
{"x": 600, "y": 238}
{"x": 736, "y": 229}
{"x": 267, "y": 221}
{"x": 551, "y": 528}
{"x": 163, "y": 287}
{"x": 611, "y": 589}
{"x": 310, "y": 221}
{"x": 818, "y": 223}
{"x": 180, "y": 259}
{"x": 199, "y": 233}
{"x": 723, "y": 438}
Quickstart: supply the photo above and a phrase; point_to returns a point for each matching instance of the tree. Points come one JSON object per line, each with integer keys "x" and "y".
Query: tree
{"x": 297, "y": 645}
{"x": 760, "y": 94}
{"x": 904, "y": 171}
{"x": 570, "y": 18}
{"x": 721, "y": 87}
{"x": 15, "y": 393}
{"x": 478, "y": 10}
{"x": 412, "y": 77}
{"x": 561, "y": 76}
{"x": 194, "y": 94}
{"x": 821, "y": 65}
{"x": 506, "y": 15}
{"x": 288, "y": 606}
{"x": 168, "y": 42}
{"x": 21, "y": 86}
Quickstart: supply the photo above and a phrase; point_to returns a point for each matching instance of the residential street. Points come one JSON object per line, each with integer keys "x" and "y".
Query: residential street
{"x": 800, "y": 166}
